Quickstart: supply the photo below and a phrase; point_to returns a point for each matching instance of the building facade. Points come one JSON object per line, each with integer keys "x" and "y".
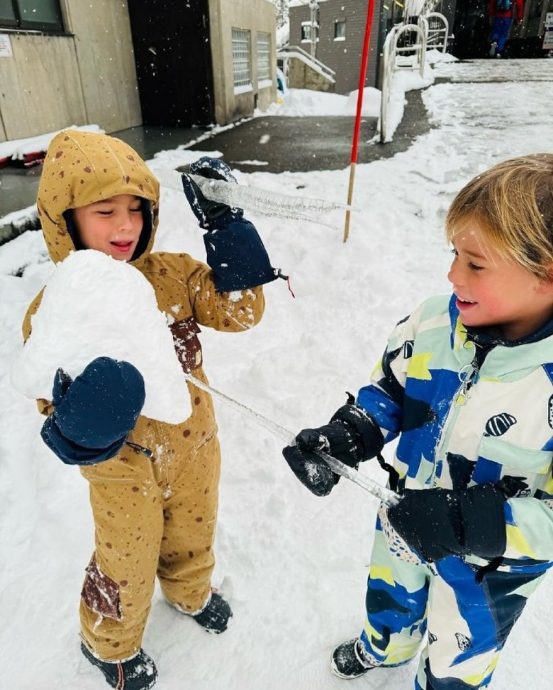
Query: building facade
{"x": 127, "y": 63}
{"x": 333, "y": 32}
{"x": 243, "y": 46}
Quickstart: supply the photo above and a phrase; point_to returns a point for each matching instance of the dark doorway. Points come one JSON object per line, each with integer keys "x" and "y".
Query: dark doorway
{"x": 471, "y": 29}
{"x": 173, "y": 61}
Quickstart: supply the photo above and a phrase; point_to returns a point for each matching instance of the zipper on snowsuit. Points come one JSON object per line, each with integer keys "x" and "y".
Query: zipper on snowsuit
{"x": 468, "y": 377}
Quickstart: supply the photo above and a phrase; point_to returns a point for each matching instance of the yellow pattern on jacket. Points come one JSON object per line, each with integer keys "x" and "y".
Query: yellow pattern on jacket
{"x": 153, "y": 516}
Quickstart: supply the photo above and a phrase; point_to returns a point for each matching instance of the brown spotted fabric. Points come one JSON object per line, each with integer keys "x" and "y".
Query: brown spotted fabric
{"x": 154, "y": 516}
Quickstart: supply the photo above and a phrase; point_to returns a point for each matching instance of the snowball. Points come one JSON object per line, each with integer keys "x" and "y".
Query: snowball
{"x": 96, "y": 306}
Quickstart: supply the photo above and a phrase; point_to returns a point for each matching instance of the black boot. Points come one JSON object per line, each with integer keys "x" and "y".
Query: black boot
{"x": 348, "y": 660}
{"x": 138, "y": 673}
{"x": 215, "y": 615}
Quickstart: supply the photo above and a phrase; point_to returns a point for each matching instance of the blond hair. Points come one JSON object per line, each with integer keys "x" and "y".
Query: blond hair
{"x": 513, "y": 203}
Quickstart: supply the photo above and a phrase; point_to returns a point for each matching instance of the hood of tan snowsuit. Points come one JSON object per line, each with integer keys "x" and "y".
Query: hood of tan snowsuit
{"x": 81, "y": 168}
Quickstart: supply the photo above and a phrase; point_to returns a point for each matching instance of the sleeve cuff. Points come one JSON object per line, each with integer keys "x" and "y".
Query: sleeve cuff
{"x": 71, "y": 453}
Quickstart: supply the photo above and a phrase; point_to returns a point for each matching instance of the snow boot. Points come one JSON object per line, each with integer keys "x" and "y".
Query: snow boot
{"x": 348, "y": 660}
{"x": 137, "y": 673}
{"x": 215, "y": 615}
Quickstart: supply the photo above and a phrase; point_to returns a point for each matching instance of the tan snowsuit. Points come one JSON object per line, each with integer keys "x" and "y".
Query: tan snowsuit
{"x": 153, "y": 515}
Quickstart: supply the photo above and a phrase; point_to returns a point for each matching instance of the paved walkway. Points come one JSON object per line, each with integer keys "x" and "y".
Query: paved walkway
{"x": 271, "y": 144}
{"x": 296, "y": 144}
{"x": 300, "y": 144}
{"x": 19, "y": 186}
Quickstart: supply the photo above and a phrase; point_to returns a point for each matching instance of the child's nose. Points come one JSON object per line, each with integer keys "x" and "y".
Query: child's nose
{"x": 453, "y": 275}
{"x": 126, "y": 221}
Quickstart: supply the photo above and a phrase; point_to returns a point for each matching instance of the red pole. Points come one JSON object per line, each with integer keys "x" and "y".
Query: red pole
{"x": 357, "y": 126}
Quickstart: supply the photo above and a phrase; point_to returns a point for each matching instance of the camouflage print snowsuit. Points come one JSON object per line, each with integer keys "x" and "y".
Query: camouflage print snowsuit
{"x": 153, "y": 516}
{"x": 467, "y": 411}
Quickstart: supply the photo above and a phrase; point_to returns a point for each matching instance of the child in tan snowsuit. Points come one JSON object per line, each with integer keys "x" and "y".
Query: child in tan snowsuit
{"x": 153, "y": 487}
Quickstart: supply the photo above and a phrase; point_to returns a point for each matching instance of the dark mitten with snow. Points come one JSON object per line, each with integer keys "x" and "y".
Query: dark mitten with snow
{"x": 436, "y": 523}
{"x": 94, "y": 413}
{"x": 235, "y": 252}
{"x": 210, "y": 214}
{"x": 351, "y": 437}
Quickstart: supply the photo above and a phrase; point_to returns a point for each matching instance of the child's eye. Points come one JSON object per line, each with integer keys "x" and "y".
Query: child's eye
{"x": 474, "y": 267}
{"x": 454, "y": 252}
{"x": 104, "y": 213}
{"x": 136, "y": 210}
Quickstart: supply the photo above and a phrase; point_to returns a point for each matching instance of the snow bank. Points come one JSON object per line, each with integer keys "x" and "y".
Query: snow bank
{"x": 17, "y": 149}
{"x": 305, "y": 103}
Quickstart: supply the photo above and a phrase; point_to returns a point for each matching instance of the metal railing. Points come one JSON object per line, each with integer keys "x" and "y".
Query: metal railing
{"x": 410, "y": 41}
{"x": 288, "y": 52}
{"x": 391, "y": 52}
{"x": 437, "y": 31}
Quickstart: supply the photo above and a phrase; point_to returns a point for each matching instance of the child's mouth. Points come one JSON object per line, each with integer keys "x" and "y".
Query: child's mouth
{"x": 123, "y": 247}
{"x": 464, "y": 304}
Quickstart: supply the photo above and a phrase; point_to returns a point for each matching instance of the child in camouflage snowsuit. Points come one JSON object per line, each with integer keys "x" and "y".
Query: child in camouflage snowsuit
{"x": 153, "y": 485}
{"x": 466, "y": 384}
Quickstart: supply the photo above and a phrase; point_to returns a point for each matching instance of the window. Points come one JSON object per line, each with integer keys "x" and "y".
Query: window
{"x": 263, "y": 57}
{"x": 339, "y": 30}
{"x": 38, "y": 15}
{"x": 241, "y": 60}
{"x": 307, "y": 31}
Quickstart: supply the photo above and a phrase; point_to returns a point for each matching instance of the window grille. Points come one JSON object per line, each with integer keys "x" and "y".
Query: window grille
{"x": 263, "y": 56}
{"x": 241, "y": 63}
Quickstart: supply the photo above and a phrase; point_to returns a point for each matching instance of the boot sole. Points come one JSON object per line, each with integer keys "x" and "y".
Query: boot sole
{"x": 338, "y": 674}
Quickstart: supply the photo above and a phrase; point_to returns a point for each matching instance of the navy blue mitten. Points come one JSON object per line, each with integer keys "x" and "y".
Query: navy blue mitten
{"x": 94, "y": 413}
{"x": 235, "y": 252}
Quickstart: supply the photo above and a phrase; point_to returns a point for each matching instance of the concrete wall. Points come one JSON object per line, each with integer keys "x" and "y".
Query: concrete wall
{"x": 301, "y": 76}
{"x": 252, "y": 15}
{"x": 40, "y": 86}
{"x": 343, "y": 56}
{"x": 103, "y": 44}
{"x": 84, "y": 77}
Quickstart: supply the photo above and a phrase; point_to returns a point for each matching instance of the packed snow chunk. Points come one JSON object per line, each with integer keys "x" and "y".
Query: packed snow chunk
{"x": 371, "y": 102}
{"x": 95, "y": 306}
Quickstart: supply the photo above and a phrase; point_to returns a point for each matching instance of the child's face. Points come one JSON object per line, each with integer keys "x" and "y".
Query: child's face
{"x": 494, "y": 291}
{"x": 112, "y": 226}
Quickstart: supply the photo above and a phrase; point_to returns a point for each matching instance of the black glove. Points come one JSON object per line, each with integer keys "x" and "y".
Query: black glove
{"x": 94, "y": 413}
{"x": 351, "y": 436}
{"x": 210, "y": 214}
{"x": 437, "y": 523}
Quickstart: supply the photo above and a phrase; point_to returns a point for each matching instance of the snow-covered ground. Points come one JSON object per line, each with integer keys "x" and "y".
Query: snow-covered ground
{"x": 302, "y": 103}
{"x": 293, "y": 566}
